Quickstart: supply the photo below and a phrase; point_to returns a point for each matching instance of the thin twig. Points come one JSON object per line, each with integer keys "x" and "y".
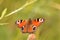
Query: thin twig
{"x": 3, "y": 13}
{"x": 3, "y": 23}
{"x": 55, "y": 5}
{"x": 19, "y": 9}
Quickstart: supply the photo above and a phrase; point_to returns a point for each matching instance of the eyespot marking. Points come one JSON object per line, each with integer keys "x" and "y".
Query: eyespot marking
{"x": 41, "y": 20}
{"x": 34, "y": 27}
{"x": 22, "y": 28}
{"x": 20, "y": 21}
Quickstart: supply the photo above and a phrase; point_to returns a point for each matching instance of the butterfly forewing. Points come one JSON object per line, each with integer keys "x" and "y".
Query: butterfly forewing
{"x": 36, "y": 22}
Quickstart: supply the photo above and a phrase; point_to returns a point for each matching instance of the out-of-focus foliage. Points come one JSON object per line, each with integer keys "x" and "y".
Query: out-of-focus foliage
{"x": 49, "y": 30}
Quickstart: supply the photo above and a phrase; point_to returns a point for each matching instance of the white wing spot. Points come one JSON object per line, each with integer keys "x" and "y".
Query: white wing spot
{"x": 41, "y": 20}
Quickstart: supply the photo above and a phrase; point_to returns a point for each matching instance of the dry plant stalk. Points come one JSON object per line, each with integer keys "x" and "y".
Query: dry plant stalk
{"x": 31, "y": 37}
{"x": 55, "y": 5}
{"x": 19, "y": 9}
{"x": 2, "y": 16}
{"x": 3, "y": 13}
{"x": 13, "y": 12}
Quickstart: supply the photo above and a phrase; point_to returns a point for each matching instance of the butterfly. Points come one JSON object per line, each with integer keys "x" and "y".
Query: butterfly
{"x": 30, "y": 25}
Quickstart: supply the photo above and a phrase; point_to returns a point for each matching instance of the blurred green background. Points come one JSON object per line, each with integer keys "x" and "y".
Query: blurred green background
{"x": 49, "y": 30}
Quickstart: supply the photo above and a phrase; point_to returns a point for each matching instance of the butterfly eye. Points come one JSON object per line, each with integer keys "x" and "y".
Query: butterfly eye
{"x": 34, "y": 27}
{"x": 22, "y": 28}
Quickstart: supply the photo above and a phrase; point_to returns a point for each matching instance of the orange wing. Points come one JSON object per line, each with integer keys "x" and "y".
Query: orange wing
{"x": 37, "y": 22}
{"x": 20, "y": 23}
{"x": 29, "y": 25}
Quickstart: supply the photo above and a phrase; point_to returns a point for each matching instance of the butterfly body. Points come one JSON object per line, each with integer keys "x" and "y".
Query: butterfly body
{"x": 29, "y": 26}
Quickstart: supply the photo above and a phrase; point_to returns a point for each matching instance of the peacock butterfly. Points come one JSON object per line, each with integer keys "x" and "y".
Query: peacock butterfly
{"x": 30, "y": 25}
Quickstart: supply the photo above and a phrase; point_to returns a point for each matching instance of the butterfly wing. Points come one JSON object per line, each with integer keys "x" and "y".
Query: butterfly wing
{"x": 21, "y": 24}
{"x": 30, "y": 25}
{"x": 37, "y": 22}
{"x": 24, "y": 29}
